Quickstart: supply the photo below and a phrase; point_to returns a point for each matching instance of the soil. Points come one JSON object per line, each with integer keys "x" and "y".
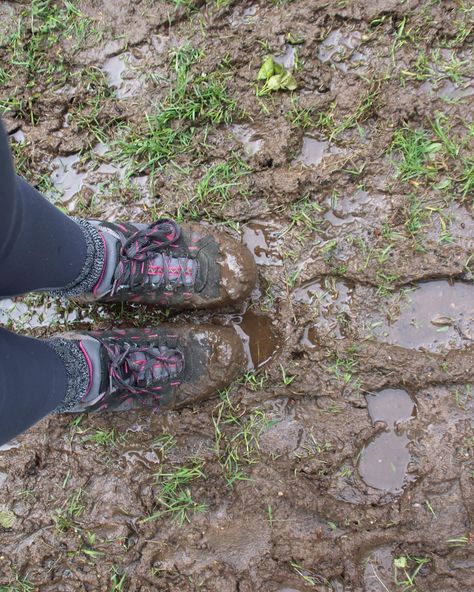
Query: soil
{"x": 365, "y": 457}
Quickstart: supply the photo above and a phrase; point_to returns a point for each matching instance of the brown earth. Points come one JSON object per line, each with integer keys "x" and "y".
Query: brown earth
{"x": 328, "y": 318}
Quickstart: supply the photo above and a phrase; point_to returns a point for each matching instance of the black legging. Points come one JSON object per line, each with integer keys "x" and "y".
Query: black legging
{"x": 40, "y": 248}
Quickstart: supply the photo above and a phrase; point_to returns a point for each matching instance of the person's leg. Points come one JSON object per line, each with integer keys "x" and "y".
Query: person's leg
{"x": 33, "y": 382}
{"x": 40, "y": 247}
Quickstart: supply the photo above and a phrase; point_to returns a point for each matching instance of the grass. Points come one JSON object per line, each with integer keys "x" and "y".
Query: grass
{"x": 406, "y": 569}
{"x": 437, "y": 157}
{"x": 66, "y": 518}
{"x": 170, "y": 130}
{"x": 175, "y": 498}
{"x": 236, "y": 437}
{"x": 34, "y": 48}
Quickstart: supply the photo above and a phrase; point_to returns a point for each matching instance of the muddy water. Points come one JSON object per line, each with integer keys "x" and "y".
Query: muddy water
{"x": 263, "y": 239}
{"x": 287, "y": 60}
{"x": 384, "y": 461}
{"x": 313, "y": 151}
{"x": 340, "y": 49}
{"x": 434, "y": 315}
{"x": 259, "y": 338}
{"x": 251, "y": 141}
{"x": 67, "y": 180}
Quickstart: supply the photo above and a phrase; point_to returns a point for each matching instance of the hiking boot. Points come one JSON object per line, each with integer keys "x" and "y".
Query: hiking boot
{"x": 178, "y": 266}
{"x": 169, "y": 367}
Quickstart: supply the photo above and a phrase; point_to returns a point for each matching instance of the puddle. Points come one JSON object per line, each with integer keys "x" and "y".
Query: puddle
{"x": 313, "y": 151}
{"x": 67, "y": 180}
{"x": 252, "y": 142}
{"x": 341, "y": 49}
{"x": 114, "y": 67}
{"x": 9, "y": 446}
{"x": 3, "y": 478}
{"x": 259, "y": 338}
{"x": 262, "y": 238}
{"x": 384, "y": 461}
{"x": 20, "y": 314}
{"x": 126, "y": 81}
{"x": 18, "y": 136}
{"x": 287, "y": 60}
{"x": 448, "y": 90}
{"x": 434, "y": 315}
{"x": 341, "y": 209}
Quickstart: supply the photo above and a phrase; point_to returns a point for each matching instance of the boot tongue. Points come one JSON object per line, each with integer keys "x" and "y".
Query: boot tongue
{"x": 92, "y": 350}
{"x": 111, "y": 244}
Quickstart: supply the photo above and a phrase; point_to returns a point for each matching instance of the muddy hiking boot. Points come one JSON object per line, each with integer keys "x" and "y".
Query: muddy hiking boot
{"x": 171, "y": 265}
{"x": 169, "y": 367}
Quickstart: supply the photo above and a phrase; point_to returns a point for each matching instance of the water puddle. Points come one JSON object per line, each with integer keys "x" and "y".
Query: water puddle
{"x": 114, "y": 68}
{"x": 448, "y": 90}
{"x": 434, "y": 315}
{"x": 125, "y": 81}
{"x": 263, "y": 239}
{"x": 252, "y": 142}
{"x": 259, "y": 338}
{"x": 287, "y": 60}
{"x": 32, "y": 312}
{"x": 341, "y": 49}
{"x": 313, "y": 151}
{"x": 384, "y": 461}
{"x": 67, "y": 180}
{"x": 3, "y": 478}
{"x": 341, "y": 209}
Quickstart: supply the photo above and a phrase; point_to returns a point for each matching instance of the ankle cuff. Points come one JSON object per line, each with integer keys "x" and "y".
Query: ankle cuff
{"x": 93, "y": 265}
{"x": 77, "y": 371}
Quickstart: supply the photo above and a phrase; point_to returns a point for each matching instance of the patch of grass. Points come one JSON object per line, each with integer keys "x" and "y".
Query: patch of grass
{"x": 34, "y": 48}
{"x": 236, "y": 437}
{"x": 117, "y": 581}
{"x": 66, "y": 518}
{"x": 345, "y": 365}
{"x": 19, "y": 585}
{"x": 406, "y": 570}
{"x": 110, "y": 438}
{"x": 174, "y": 498}
{"x": 169, "y": 131}
{"x": 414, "y": 151}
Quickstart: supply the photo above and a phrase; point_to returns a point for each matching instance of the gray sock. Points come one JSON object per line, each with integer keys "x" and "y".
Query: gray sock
{"x": 77, "y": 371}
{"x": 93, "y": 265}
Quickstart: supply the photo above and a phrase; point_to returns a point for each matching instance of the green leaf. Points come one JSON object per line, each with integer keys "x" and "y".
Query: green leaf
{"x": 7, "y": 518}
{"x": 274, "y": 83}
{"x": 266, "y": 69}
{"x": 288, "y": 82}
{"x": 400, "y": 562}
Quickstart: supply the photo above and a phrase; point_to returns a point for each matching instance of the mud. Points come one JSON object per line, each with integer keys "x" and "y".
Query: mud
{"x": 351, "y": 430}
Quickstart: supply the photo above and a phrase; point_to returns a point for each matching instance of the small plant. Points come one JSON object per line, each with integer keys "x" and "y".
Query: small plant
{"x": 66, "y": 519}
{"x": 175, "y": 498}
{"x": 7, "y": 518}
{"x": 406, "y": 569}
{"x": 275, "y": 77}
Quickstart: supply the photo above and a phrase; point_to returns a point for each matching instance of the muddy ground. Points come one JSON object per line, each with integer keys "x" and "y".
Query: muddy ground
{"x": 343, "y": 460}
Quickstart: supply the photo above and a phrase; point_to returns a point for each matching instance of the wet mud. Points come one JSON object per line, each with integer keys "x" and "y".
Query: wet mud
{"x": 342, "y": 460}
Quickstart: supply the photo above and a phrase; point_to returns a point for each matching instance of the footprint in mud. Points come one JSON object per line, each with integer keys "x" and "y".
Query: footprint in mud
{"x": 436, "y": 314}
{"x": 384, "y": 461}
{"x": 259, "y": 338}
